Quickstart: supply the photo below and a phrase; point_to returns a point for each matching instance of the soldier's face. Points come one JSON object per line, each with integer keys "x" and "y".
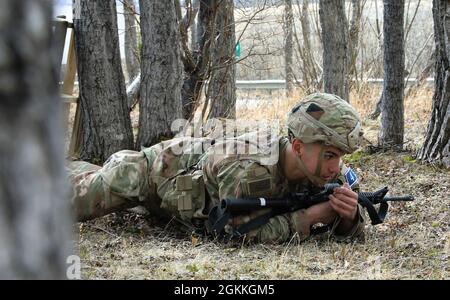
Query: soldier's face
{"x": 331, "y": 157}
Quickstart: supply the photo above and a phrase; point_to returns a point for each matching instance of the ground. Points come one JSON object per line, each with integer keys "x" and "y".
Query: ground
{"x": 413, "y": 243}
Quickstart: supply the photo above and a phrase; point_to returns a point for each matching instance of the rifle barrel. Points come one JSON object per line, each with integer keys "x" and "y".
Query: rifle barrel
{"x": 398, "y": 198}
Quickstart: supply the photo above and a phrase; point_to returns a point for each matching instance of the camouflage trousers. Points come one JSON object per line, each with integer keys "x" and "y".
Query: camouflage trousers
{"x": 92, "y": 194}
{"x": 129, "y": 179}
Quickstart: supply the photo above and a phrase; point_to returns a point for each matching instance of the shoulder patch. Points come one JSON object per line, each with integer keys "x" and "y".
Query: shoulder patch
{"x": 351, "y": 177}
{"x": 257, "y": 186}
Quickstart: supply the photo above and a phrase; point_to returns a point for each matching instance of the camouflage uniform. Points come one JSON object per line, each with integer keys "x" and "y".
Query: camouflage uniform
{"x": 186, "y": 177}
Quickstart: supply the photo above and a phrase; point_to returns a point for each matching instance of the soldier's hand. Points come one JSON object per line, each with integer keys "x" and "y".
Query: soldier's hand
{"x": 345, "y": 202}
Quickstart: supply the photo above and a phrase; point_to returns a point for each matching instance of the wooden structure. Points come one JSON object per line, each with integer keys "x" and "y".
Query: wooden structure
{"x": 61, "y": 30}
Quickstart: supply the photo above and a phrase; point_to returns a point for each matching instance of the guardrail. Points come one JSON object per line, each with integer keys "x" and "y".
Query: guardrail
{"x": 277, "y": 84}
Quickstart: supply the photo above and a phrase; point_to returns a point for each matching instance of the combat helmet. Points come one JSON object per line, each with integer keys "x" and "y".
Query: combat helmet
{"x": 327, "y": 119}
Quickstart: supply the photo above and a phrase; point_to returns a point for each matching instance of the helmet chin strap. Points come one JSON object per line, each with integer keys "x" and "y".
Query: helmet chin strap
{"x": 314, "y": 178}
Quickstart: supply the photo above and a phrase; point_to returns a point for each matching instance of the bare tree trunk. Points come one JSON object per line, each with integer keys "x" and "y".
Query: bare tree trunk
{"x": 376, "y": 113}
{"x": 104, "y": 111}
{"x": 34, "y": 207}
{"x": 194, "y": 41}
{"x": 335, "y": 52}
{"x": 392, "y": 111}
{"x": 436, "y": 148}
{"x": 353, "y": 41}
{"x": 161, "y": 72}
{"x": 133, "y": 90}
{"x": 196, "y": 64}
{"x": 424, "y": 74}
{"x": 131, "y": 39}
{"x": 288, "y": 47}
{"x": 222, "y": 84}
{"x": 309, "y": 55}
{"x": 308, "y": 68}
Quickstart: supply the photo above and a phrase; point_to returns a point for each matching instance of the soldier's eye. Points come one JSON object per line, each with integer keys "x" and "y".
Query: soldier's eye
{"x": 329, "y": 156}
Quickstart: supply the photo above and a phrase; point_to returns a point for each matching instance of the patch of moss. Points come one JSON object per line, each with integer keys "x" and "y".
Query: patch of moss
{"x": 408, "y": 159}
{"x": 353, "y": 158}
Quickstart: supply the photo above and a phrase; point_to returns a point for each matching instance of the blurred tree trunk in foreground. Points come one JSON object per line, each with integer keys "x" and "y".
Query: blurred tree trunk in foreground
{"x": 34, "y": 208}
{"x": 436, "y": 148}
{"x": 105, "y": 119}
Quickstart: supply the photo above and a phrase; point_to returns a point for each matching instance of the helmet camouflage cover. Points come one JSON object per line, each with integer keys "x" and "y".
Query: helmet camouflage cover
{"x": 326, "y": 118}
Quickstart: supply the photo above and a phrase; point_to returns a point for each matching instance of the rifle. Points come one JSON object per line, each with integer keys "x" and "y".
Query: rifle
{"x": 228, "y": 208}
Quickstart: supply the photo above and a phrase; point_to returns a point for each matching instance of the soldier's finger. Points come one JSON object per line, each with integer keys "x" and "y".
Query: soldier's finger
{"x": 349, "y": 200}
{"x": 341, "y": 204}
{"x": 346, "y": 191}
{"x": 341, "y": 212}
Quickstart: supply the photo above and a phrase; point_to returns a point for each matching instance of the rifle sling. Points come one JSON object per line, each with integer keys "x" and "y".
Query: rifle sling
{"x": 255, "y": 223}
{"x": 375, "y": 217}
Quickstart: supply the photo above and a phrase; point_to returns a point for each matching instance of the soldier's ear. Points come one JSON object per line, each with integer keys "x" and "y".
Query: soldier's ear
{"x": 297, "y": 146}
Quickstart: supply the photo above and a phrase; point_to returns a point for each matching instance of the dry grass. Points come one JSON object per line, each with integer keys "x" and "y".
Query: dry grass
{"x": 413, "y": 243}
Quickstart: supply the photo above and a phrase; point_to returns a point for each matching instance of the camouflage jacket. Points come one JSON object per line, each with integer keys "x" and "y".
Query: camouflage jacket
{"x": 185, "y": 177}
